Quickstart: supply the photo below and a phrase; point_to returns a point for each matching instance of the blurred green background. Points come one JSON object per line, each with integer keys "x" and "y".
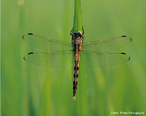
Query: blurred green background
{"x": 32, "y": 90}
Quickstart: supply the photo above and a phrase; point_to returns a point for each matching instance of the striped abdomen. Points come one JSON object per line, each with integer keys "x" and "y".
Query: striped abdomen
{"x": 76, "y": 73}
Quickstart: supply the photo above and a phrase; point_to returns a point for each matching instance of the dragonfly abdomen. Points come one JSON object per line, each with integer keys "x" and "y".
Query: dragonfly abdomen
{"x": 76, "y": 73}
{"x": 77, "y": 50}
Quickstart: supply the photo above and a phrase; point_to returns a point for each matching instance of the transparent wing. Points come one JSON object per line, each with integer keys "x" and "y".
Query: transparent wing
{"x": 102, "y": 59}
{"x": 64, "y": 58}
{"x": 108, "y": 44}
{"x": 46, "y": 43}
{"x": 50, "y": 59}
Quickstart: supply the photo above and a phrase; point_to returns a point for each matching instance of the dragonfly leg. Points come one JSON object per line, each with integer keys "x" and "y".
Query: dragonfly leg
{"x": 83, "y": 31}
{"x": 71, "y": 33}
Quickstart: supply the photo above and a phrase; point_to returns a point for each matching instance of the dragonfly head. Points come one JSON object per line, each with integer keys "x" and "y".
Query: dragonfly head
{"x": 77, "y": 34}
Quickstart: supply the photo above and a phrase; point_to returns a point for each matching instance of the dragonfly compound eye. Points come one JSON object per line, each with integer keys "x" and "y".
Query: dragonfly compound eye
{"x": 77, "y": 34}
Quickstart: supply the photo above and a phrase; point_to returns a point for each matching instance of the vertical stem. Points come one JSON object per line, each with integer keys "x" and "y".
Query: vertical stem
{"x": 77, "y": 16}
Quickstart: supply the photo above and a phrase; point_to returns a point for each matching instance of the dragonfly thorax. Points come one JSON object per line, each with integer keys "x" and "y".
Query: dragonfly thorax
{"x": 78, "y": 40}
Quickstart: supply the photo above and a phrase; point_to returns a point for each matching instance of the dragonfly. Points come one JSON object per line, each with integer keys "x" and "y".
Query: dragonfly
{"x": 96, "y": 53}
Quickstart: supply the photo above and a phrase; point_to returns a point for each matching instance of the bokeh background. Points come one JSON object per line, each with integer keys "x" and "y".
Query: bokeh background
{"x": 32, "y": 90}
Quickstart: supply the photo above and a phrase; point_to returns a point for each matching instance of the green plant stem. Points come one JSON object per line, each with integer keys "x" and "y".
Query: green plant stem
{"x": 77, "y": 16}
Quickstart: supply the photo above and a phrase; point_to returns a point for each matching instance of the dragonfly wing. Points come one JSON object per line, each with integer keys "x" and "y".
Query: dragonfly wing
{"x": 108, "y": 44}
{"x": 103, "y": 59}
{"x": 50, "y": 59}
{"x": 46, "y": 43}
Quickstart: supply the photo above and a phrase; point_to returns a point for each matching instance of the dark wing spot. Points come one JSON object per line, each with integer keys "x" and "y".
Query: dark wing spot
{"x": 123, "y": 53}
{"x": 126, "y": 36}
{"x": 30, "y": 33}
{"x": 123, "y": 36}
{"x": 30, "y": 53}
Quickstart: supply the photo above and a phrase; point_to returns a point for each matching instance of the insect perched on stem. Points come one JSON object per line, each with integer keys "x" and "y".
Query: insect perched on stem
{"x": 95, "y": 51}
